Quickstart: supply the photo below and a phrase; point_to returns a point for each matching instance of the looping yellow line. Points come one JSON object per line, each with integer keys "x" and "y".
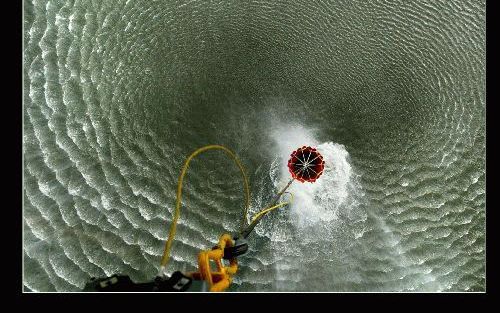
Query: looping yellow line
{"x": 168, "y": 245}
{"x": 166, "y": 253}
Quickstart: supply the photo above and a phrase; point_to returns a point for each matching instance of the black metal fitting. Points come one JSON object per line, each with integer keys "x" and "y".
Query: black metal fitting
{"x": 240, "y": 248}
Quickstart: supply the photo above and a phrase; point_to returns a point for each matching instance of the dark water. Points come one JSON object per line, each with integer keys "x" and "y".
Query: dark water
{"x": 118, "y": 93}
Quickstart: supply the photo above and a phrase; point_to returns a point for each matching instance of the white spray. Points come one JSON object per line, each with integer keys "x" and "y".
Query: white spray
{"x": 321, "y": 200}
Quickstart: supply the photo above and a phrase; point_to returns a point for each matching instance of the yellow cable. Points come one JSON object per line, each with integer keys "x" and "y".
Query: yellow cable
{"x": 267, "y": 210}
{"x": 168, "y": 244}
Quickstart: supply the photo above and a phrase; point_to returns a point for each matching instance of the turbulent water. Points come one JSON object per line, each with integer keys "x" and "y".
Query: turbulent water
{"x": 118, "y": 93}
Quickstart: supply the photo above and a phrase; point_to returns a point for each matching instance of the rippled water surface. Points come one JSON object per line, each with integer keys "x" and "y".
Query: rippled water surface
{"x": 392, "y": 93}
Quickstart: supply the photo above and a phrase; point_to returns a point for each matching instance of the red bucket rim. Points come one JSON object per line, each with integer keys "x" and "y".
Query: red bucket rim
{"x": 306, "y": 164}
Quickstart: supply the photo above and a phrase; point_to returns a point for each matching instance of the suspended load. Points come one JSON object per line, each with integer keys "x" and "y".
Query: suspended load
{"x": 306, "y": 164}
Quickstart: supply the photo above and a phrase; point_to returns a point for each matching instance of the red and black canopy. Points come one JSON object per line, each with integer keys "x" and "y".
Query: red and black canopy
{"x": 306, "y": 164}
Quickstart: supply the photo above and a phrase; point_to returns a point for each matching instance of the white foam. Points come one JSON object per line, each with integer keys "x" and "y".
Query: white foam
{"x": 317, "y": 209}
{"x": 321, "y": 200}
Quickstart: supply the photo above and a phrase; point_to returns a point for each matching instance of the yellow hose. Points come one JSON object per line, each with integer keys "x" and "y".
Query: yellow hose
{"x": 173, "y": 226}
{"x": 168, "y": 245}
{"x": 279, "y": 205}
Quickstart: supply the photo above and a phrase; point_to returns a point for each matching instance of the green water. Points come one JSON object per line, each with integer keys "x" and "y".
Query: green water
{"x": 118, "y": 93}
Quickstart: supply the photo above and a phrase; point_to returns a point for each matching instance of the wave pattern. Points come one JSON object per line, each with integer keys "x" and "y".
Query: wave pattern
{"x": 117, "y": 93}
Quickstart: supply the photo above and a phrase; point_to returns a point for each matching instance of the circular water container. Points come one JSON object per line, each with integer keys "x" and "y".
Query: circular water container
{"x": 306, "y": 164}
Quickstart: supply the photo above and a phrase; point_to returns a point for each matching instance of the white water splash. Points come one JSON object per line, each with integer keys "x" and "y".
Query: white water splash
{"x": 321, "y": 200}
{"x": 314, "y": 219}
